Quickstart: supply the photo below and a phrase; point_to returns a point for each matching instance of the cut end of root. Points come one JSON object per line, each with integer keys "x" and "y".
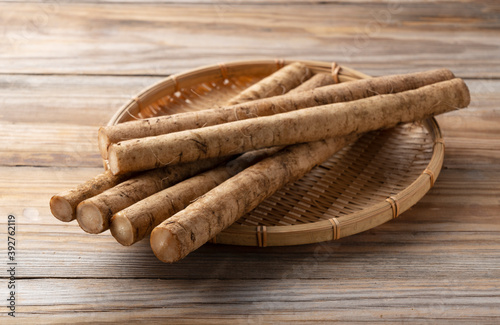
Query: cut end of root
{"x": 121, "y": 228}
{"x": 164, "y": 245}
{"x": 113, "y": 161}
{"x": 90, "y": 218}
{"x": 103, "y": 142}
{"x": 61, "y": 209}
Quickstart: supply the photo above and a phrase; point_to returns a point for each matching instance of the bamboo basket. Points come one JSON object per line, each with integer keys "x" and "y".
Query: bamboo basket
{"x": 364, "y": 185}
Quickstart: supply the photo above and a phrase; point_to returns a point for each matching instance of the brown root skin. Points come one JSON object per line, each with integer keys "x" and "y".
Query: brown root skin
{"x": 360, "y": 116}
{"x": 94, "y": 214}
{"x": 63, "y": 205}
{"x": 264, "y": 107}
{"x": 219, "y": 208}
{"x": 279, "y": 83}
{"x": 138, "y": 220}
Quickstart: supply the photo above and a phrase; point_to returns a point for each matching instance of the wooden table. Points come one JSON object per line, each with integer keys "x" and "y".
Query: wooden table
{"x": 66, "y": 67}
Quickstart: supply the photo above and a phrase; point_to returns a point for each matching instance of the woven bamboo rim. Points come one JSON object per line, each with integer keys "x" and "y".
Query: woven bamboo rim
{"x": 364, "y": 185}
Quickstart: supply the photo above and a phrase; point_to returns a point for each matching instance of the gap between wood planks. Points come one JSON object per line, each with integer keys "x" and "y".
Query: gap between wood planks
{"x": 162, "y": 75}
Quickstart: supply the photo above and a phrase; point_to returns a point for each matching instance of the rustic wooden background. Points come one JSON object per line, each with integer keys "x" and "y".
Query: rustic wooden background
{"x": 65, "y": 67}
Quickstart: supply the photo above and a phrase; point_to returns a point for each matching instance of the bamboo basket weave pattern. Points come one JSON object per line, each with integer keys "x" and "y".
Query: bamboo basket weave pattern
{"x": 364, "y": 185}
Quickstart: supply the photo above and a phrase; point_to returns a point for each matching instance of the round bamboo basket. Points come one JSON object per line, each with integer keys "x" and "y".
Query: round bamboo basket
{"x": 362, "y": 186}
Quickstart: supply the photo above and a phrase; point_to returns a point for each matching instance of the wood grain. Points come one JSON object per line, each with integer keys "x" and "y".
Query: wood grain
{"x": 158, "y": 39}
{"x": 263, "y": 301}
{"x": 79, "y": 100}
{"x": 66, "y": 67}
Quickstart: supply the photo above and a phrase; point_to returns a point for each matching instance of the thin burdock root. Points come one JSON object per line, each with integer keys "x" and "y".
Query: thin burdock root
{"x": 94, "y": 214}
{"x": 316, "y": 81}
{"x": 138, "y": 220}
{"x": 307, "y": 125}
{"x": 278, "y": 83}
{"x": 190, "y": 228}
{"x": 63, "y": 205}
{"x": 347, "y": 91}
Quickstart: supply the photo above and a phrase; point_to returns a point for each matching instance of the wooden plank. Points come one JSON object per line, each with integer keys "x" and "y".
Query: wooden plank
{"x": 49, "y": 145}
{"x": 59, "y": 99}
{"x": 401, "y": 253}
{"x": 260, "y": 301}
{"x": 159, "y": 39}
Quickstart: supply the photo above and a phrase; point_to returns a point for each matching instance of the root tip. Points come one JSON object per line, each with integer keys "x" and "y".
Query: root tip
{"x": 103, "y": 142}
{"x": 113, "y": 161}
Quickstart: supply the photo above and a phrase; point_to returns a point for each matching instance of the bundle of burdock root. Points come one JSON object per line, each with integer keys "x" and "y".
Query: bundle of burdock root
{"x": 184, "y": 178}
